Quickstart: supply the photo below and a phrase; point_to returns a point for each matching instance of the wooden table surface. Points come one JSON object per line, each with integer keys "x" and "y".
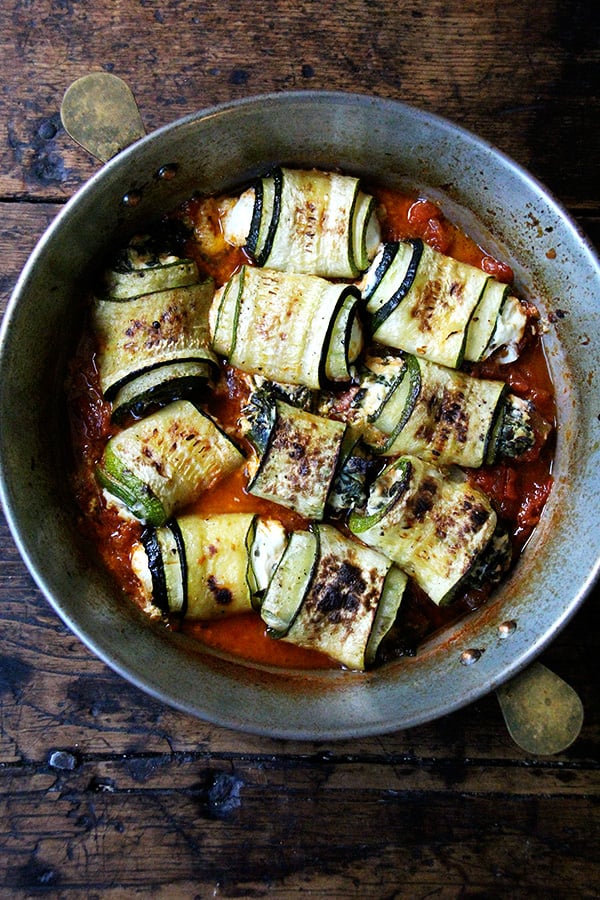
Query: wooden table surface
{"x": 105, "y": 791}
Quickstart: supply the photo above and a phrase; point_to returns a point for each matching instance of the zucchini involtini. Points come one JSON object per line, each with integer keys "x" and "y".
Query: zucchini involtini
{"x": 166, "y": 460}
{"x": 153, "y": 347}
{"x": 298, "y": 454}
{"x": 436, "y": 307}
{"x": 312, "y": 222}
{"x": 332, "y": 594}
{"x": 435, "y": 527}
{"x": 412, "y": 406}
{"x": 291, "y": 328}
{"x": 206, "y": 567}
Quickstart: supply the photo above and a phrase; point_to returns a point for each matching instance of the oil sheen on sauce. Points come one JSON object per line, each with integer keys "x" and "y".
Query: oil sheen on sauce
{"x": 518, "y": 490}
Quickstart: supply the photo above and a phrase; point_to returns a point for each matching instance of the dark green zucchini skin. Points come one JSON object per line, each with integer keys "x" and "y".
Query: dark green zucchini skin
{"x": 390, "y": 251}
{"x": 154, "y": 388}
{"x": 168, "y": 568}
{"x": 150, "y": 543}
{"x": 262, "y": 212}
{"x": 290, "y": 582}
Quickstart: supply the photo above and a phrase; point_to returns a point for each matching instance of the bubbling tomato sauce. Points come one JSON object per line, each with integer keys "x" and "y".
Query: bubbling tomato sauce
{"x": 518, "y": 490}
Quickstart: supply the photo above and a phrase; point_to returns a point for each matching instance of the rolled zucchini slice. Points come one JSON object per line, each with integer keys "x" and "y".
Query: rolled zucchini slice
{"x": 306, "y": 221}
{"x": 289, "y": 328}
{"x": 148, "y": 278}
{"x": 387, "y": 611}
{"x": 165, "y": 461}
{"x": 433, "y": 526}
{"x": 423, "y": 409}
{"x": 299, "y": 461}
{"x": 326, "y": 596}
{"x": 290, "y": 582}
{"x": 438, "y": 308}
{"x": 158, "y": 343}
{"x": 205, "y": 567}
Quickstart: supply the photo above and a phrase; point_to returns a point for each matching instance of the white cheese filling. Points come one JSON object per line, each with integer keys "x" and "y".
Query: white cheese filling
{"x": 141, "y": 569}
{"x": 509, "y": 330}
{"x": 237, "y": 219}
{"x": 267, "y": 549}
{"x": 373, "y": 236}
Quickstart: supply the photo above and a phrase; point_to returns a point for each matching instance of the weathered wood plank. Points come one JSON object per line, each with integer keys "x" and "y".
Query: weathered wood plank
{"x": 448, "y": 57}
{"x": 75, "y": 772}
{"x": 253, "y": 829}
{"x": 21, "y": 226}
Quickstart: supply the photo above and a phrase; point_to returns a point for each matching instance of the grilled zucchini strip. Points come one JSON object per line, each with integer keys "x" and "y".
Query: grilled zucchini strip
{"x": 290, "y": 582}
{"x": 311, "y": 222}
{"x": 154, "y": 348}
{"x": 438, "y": 308}
{"x": 166, "y": 460}
{"x": 289, "y": 328}
{"x": 326, "y": 596}
{"x": 201, "y": 567}
{"x": 298, "y": 463}
{"x": 432, "y": 526}
{"x": 387, "y": 611}
{"x": 419, "y": 408}
{"x": 137, "y": 281}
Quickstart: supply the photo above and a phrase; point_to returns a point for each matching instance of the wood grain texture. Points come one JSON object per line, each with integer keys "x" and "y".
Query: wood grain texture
{"x": 104, "y": 791}
{"x": 524, "y": 78}
{"x": 263, "y": 830}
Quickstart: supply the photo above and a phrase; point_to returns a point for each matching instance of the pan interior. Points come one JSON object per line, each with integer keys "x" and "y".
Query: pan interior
{"x": 484, "y": 192}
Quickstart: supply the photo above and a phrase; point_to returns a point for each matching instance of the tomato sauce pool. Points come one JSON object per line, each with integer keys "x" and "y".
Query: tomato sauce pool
{"x": 518, "y": 490}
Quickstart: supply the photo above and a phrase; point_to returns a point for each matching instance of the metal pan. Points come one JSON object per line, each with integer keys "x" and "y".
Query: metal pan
{"x": 486, "y": 193}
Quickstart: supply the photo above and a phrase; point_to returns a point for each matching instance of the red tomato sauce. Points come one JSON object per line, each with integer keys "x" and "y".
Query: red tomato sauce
{"x": 518, "y": 490}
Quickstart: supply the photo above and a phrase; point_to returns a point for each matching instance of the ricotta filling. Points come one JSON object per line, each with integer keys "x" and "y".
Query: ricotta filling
{"x": 267, "y": 549}
{"x": 509, "y": 331}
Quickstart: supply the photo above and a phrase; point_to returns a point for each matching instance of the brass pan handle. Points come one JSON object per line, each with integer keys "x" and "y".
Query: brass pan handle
{"x": 100, "y": 113}
{"x": 542, "y": 712}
